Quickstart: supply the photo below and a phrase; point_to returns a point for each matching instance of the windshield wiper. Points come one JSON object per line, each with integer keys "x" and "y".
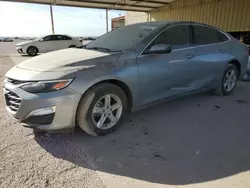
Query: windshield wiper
{"x": 103, "y": 49}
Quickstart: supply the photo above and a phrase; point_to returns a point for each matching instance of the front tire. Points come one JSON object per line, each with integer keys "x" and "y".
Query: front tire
{"x": 101, "y": 109}
{"x": 228, "y": 81}
{"x": 32, "y": 51}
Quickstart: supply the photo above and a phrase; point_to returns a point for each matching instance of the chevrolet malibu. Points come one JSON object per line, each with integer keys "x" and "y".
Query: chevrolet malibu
{"x": 128, "y": 68}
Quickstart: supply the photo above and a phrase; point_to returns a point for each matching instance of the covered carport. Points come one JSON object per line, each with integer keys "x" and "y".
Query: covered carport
{"x": 232, "y": 16}
{"x": 126, "y": 5}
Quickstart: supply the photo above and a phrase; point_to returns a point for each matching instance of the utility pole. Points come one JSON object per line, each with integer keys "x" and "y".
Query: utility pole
{"x": 107, "y": 21}
{"x": 52, "y": 19}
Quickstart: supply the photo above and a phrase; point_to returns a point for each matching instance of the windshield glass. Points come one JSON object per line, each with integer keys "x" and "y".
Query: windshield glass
{"x": 124, "y": 38}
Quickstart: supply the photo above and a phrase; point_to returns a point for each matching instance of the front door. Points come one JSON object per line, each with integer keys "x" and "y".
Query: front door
{"x": 166, "y": 75}
{"x": 61, "y": 43}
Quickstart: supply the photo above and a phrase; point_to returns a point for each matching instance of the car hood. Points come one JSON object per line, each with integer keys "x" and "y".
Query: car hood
{"x": 23, "y": 43}
{"x": 57, "y": 64}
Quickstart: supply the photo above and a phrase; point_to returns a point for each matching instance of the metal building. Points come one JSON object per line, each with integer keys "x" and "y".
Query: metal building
{"x": 117, "y": 22}
{"x": 232, "y": 16}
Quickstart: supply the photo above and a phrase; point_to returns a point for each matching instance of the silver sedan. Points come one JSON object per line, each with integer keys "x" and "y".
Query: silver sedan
{"x": 125, "y": 69}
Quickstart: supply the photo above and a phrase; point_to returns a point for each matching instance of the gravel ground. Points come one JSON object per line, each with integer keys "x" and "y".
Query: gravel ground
{"x": 200, "y": 141}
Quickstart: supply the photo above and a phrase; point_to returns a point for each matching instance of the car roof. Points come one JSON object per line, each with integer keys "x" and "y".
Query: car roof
{"x": 166, "y": 22}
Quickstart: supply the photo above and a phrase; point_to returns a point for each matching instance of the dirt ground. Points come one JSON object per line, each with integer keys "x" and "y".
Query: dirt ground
{"x": 200, "y": 141}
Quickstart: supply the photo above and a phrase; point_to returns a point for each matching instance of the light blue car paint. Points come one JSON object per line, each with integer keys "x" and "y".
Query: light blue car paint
{"x": 149, "y": 77}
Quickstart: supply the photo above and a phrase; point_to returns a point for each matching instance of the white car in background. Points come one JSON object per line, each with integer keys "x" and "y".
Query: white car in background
{"x": 47, "y": 44}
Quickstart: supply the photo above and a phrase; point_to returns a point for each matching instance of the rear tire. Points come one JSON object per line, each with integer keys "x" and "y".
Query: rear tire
{"x": 228, "y": 81}
{"x": 72, "y": 46}
{"x": 32, "y": 51}
{"x": 97, "y": 118}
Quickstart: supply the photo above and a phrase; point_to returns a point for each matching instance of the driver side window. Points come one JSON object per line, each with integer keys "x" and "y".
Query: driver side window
{"x": 48, "y": 38}
{"x": 176, "y": 36}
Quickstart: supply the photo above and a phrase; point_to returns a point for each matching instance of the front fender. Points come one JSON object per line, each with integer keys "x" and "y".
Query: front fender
{"x": 110, "y": 72}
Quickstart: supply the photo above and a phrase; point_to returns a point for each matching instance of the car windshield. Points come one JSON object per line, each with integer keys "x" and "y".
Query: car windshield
{"x": 124, "y": 38}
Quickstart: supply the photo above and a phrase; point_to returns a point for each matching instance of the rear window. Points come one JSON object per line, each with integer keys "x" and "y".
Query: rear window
{"x": 62, "y": 37}
{"x": 66, "y": 38}
{"x": 206, "y": 35}
{"x": 222, "y": 37}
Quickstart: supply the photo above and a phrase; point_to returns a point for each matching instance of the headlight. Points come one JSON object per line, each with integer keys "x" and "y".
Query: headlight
{"x": 46, "y": 86}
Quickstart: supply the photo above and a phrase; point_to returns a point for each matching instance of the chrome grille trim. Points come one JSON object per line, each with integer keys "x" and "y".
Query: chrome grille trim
{"x": 14, "y": 82}
{"x": 13, "y": 101}
{"x": 13, "y": 97}
{"x": 13, "y": 108}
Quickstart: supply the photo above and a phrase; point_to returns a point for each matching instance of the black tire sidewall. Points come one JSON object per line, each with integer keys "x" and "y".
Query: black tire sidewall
{"x": 230, "y": 67}
{"x": 100, "y": 91}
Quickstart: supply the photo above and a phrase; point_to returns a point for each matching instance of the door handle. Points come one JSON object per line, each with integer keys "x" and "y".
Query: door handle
{"x": 189, "y": 56}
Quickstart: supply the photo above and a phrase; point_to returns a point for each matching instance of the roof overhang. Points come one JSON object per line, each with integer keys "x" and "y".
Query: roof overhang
{"x": 127, "y": 5}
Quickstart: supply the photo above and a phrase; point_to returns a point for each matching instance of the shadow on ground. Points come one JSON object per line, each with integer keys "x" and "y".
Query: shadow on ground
{"x": 26, "y": 55}
{"x": 195, "y": 139}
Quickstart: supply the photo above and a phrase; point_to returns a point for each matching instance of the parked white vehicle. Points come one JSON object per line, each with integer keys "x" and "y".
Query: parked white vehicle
{"x": 47, "y": 44}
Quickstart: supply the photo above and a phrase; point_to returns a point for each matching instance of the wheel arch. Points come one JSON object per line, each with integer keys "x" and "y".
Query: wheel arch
{"x": 119, "y": 84}
{"x": 72, "y": 46}
{"x": 237, "y": 65}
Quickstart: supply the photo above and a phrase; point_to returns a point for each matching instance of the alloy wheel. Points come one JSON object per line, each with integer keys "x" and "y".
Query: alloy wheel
{"x": 107, "y": 111}
{"x": 230, "y": 80}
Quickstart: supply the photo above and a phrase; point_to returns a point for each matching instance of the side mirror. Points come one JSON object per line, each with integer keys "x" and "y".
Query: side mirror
{"x": 160, "y": 49}
{"x": 41, "y": 40}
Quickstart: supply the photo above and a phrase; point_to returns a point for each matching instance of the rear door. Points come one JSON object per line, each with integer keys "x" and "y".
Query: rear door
{"x": 211, "y": 54}
{"x": 68, "y": 41}
{"x": 62, "y": 42}
{"x": 59, "y": 42}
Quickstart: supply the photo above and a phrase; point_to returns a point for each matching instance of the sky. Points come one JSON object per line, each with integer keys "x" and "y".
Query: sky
{"x": 32, "y": 20}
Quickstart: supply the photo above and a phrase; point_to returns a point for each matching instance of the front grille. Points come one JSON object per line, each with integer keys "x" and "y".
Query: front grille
{"x": 20, "y": 50}
{"x": 14, "y": 82}
{"x": 13, "y": 101}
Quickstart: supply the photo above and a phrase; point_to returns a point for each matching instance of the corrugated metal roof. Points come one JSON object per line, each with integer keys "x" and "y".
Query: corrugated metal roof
{"x": 228, "y": 15}
{"x": 130, "y": 5}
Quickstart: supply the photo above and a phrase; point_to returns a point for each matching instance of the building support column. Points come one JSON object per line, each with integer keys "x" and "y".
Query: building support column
{"x": 107, "y": 21}
{"x": 52, "y": 19}
{"x": 149, "y": 17}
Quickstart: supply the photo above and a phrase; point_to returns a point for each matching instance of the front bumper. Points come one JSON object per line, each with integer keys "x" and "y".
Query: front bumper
{"x": 27, "y": 107}
{"x": 20, "y": 50}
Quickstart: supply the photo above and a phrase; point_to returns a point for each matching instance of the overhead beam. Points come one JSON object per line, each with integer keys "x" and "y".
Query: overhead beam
{"x": 88, "y": 5}
{"x": 119, "y": 7}
{"x": 114, "y": 4}
{"x": 151, "y": 1}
